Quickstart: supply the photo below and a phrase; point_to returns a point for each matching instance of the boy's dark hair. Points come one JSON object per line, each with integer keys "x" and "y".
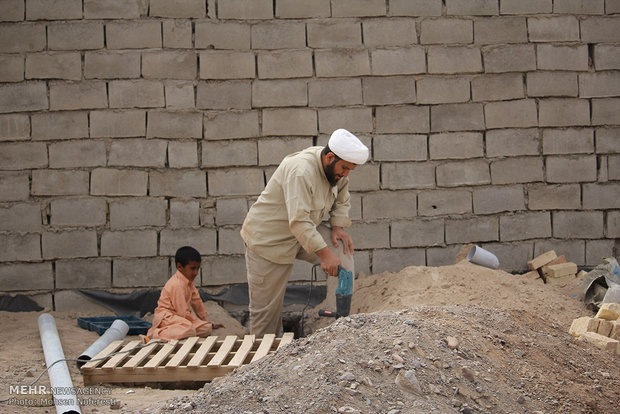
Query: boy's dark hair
{"x": 327, "y": 150}
{"x": 186, "y": 254}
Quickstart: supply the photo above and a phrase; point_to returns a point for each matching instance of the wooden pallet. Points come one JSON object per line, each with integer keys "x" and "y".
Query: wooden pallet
{"x": 193, "y": 359}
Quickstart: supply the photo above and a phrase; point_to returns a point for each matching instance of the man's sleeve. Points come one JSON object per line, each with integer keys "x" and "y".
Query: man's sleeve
{"x": 339, "y": 214}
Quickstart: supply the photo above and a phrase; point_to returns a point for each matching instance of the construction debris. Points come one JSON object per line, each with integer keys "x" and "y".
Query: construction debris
{"x": 603, "y": 331}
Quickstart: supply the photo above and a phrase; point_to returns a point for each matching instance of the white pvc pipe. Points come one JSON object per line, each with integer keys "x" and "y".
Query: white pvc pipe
{"x": 64, "y": 394}
{"x": 483, "y": 257}
{"x": 115, "y": 332}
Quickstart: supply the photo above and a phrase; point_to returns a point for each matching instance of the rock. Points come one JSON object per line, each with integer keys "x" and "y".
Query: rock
{"x": 410, "y": 322}
{"x": 394, "y": 411}
{"x": 467, "y": 410}
{"x": 452, "y": 342}
{"x": 468, "y": 373}
{"x": 187, "y": 407}
{"x": 398, "y": 358}
{"x": 347, "y": 409}
{"x": 521, "y": 399}
{"x": 434, "y": 389}
{"x": 347, "y": 376}
{"x": 115, "y": 405}
{"x": 408, "y": 382}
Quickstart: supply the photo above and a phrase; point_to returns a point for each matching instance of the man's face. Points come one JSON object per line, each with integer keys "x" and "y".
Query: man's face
{"x": 336, "y": 169}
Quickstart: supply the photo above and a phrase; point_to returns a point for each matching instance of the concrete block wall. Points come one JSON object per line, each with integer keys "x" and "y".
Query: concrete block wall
{"x": 131, "y": 127}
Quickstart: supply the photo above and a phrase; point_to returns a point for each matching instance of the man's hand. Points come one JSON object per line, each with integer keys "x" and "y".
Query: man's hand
{"x": 329, "y": 261}
{"x": 338, "y": 233}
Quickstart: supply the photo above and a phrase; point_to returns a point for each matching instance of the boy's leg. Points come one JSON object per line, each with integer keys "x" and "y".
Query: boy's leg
{"x": 267, "y": 284}
{"x": 173, "y": 327}
{"x": 202, "y": 328}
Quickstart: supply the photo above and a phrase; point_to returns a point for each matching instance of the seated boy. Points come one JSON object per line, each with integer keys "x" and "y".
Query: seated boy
{"x": 173, "y": 317}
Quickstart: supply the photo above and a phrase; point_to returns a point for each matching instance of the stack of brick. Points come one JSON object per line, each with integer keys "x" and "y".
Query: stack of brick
{"x": 603, "y": 330}
{"x": 551, "y": 268}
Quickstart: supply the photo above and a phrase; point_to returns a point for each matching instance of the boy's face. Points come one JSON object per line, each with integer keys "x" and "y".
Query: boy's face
{"x": 190, "y": 270}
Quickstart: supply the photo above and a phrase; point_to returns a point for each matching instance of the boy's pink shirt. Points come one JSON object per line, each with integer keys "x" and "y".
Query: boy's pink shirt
{"x": 179, "y": 296}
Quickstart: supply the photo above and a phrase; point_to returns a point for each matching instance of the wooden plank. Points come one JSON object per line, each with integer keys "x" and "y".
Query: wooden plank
{"x": 141, "y": 355}
{"x": 243, "y": 351}
{"x": 158, "y": 374}
{"x": 287, "y": 338}
{"x": 202, "y": 352}
{"x": 264, "y": 347}
{"x": 118, "y": 358}
{"x": 222, "y": 353}
{"x": 110, "y": 349}
{"x": 162, "y": 354}
{"x": 182, "y": 353}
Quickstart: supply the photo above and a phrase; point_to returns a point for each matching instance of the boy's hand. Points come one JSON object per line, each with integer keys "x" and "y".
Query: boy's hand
{"x": 217, "y": 325}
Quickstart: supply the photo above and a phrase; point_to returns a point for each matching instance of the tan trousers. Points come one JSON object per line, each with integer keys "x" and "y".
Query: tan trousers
{"x": 267, "y": 283}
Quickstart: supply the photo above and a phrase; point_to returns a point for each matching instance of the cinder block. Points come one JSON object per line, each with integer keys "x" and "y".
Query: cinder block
{"x": 517, "y": 170}
{"x": 130, "y": 243}
{"x": 475, "y": 229}
{"x": 564, "y": 112}
{"x": 326, "y": 34}
{"x": 184, "y": 213}
{"x": 179, "y": 95}
{"x": 571, "y": 169}
{"x": 388, "y": 90}
{"x": 23, "y": 217}
{"x": 595, "y": 249}
{"x": 512, "y": 114}
{"x": 578, "y": 224}
{"x": 552, "y": 84}
{"x": 417, "y": 233}
{"x": 228, "y": 65}
{"x": 399, "y": 147}
{"x": 579, "y": 6}
{"x": 272, "y": 151}
{"x": 509, "y": 58}
{"x": 605, "y": 111}
{"x": 561, "y": 57}
{"x": 225, "y": 153}
{"x": 204, "y": 240}
{"x": 613, "y": 165}
{"x": 280, "y": 93}
{"x": 182, "y": 155}
{"x": 554, "y": 197}
{"x": 69, "y": 244}
{"x": 169, "y": 65}
{"x": 75, "y": 35}
{"x": 583, "y": 324}
{"x": 601, "y": 84}
{"x": 111, "y": 65}
{"x": 177, "y": 34}
{"x": 14, "y": 127}
{"x": 500, "y": 87}
{"x": 612, "y": 6}
{"x": 438, "y": 90}
{"x": 148, "y": 272}
{"x": 568, "y": 141}
{"x": 599, "y": 30}
{"x": 607, "y": 140}
{"x": 415, "y": 8}
{"x": 56, "y": 182}
{"x": 402, "y": 119}
{"x": 455, "y": 174}
{"x": 12, "y": 11}
{"x": 138, "y": 152}
{"x": 11, "y": 68}
{"x": 300, "y": 9}
{"x": 444, "y": 202}
{"x": 24, "y": 247}
{"x": 223, "y": 270}
{"x": 389, "y": 32}
{"x": 74, "y": 302}
{"x": 112, "y": 9}
{"x": 355, "y": 120}
{"x": 138, "y": 34}
{"x": 612, "y": 228}
{"x": 19, "y": 38}
{"x": 22, "y": 156}
{"x": 446, "y": 31}
{"x": 178, "y": 183}
{"x": 112, "y": 182}
{"x": 178, "y": 8}
{"x": 224, "y": 95}
{"x": 231, "y": 211}
{"x": 57, "y": 10}
{"x": 455, "y": 145}
{"x": 525, "y": 6}
{"x": 441, "y": 256}
{"x": 280, "y": 64}
{"x": 14, "y": 186}
{"x": 395, "y": 260}
{"x": 26, "y": 276}
{"x": 222, "y": 35}
{"x": 370, "y": 235}
{"x": 226, "y": 125}
{"x": 322, "y": 92}
{"x": 84, "y": 212}
{"x": 340, "y": 63}
{"x": 606, "y": 57}
{"x": 302, "y": 121}
{"x": 245, "y": 10}
{"x": 137, "y": 212}
{"x": 454, "y": 59}
{"x": 498, "y": 30}
{"x": 230, "y": 241}
{"x": 524, "y": 226}
{"x": 234, "y": 182}
{"x": 491, "y": 200}
{"x": 54, "y": 65}
{"x": 389, "y": 204}
{"x": 117, "y": 124}
{"x": 83, "y": 274}
{"x": 512, "y": 142}
{"x": 574, "y": 249}
{"x": 472, "y": 8}
{"x": 356, "y": 8}
{"x": 457, "y": 117}
{"x": 174, "y": 124}
{"x": 138, "y": 93}
{"x": 59, "y": 125}
{"x": 397, "y": 176}
{"x": 553, "y": 29}
{"x": 601, "y": 196}
{"x": 30, "y": 96}
{"x": 77, "y": 154}
{"x": 365, "y": 178}
{"x": 81, "y": 95}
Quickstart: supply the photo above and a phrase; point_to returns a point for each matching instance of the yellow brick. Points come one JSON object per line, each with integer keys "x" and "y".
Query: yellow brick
{"x": 559, "y": 270}
{"x": 609, "y": 311}
{"x": 583, "y": 324}
{"x": 615, "y": 331}
{"x": 604, "y": 327}
{"x": 532, "y": 274}
{"x": 601, "y": 341}
{"x": 542, "y": 260}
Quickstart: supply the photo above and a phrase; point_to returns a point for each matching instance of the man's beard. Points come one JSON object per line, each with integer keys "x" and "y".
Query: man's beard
{"x": 330, "y": 173}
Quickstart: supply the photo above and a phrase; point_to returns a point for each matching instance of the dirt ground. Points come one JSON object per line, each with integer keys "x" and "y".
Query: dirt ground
{"x": 460, "y": 338}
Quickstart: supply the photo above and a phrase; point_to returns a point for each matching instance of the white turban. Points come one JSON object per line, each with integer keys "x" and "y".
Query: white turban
{"x": 348, "y": 147}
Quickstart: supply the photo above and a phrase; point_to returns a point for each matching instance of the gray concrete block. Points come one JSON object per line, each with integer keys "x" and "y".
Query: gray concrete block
{"x": 606, "y": 57}
{"x": 499, "y": 87}
{"x": 612, "y": 6}
{"x": 525, "y": 6}
{"x": 138, "y": 152}
{"x": 231, "y": 211}
{"x": 223, "y": 270}
{"x": 472, "y": 8}
{"x": 23, "y": 217}
{"x": 601, "y": 196}
{"x": 596, "y": 250}
{"x": 517, "y": 170}
{"x": 455, "y": 145}
{"x": 22, "y": 248}
{"x": 138, "y": 94}
{"x": 137, "y": 34}
{"x": 330, "y": 92}
{"x": 30, "y": 96}
{"x": 83, "y": 274}
{"x": 355, "y": 120}
{"x": 137, "y": 212}
{"x": 498, "y": 30}
{"x": 579, "y": 6}
{"x": 12, "y": 11}
{"x": 492, "y": 200}
{"x": 300, "y": 9}
{"x": 389, "y": 90}
{"x": 26, "y": 276}
{"x": 355, "y": 8}
{"x": 169, "y": 65}
{"x": 524, "y": 226}
{"x": 57, "y": 10}
{"x": 74, "y": 302}
{"x": 578, "y": 224}
{"x": 75, "y": 35}
{"x": 402, "y": 119}
{"x": 520, "y": 113}
{"x": 222, "y": 35}
{"x": 149, "y": 272}
{"x": 553, "y": 29}
{"x": 11, "y": 68}
{"x": 568, "y": 141}
{"x": 454, "y": 59}
{"x": 454, "y": 174}
{"x": 177, "y": 34}
{"x": 612, "y": 224}
{"x": 571, "y": 169}
{"x": 438, "y": 90}
{"x": 407, "y": 175}
{"x": 389, "y": 204}
{"x": 293, "y": 92}
{"x": 552, "y": 84}
{"x": 417, "y": 233}
{"x": 513, "y": 257}
{"x": 69, "y": 244}
{"x": 182, "y": 155}
{"x": 599, "y": 30}
{"x": 130, "y": 243}
{"x": 509, "y": 58}
{"x": 204, "y": 240}
{"x": 554, "y": 197}
{"x": 245, "y": 9}
{"x": 82, "y": 212}
{"x": 14, "y": 186}
{"x": 178, "y": 8}
{"x": 399, "y": 147}
{"x": 219, "y": 64}
{"x": 563, "y": 112}
{"x": 601, "y": 84}
{"x": 230, "y": 241}
{"x": 179, "y": 95}
{"x": 21, "y": 156}
{"x": 272, "y": 151}
{"x": 234, "y": 182}
{"x": 474, "y": 229}
{"x": 54, "y": 65}
{"x": 457, "y": 117}
{"x": 113, "y": 9}
{"x": 111, "y": 65}
{"x": 395, "y": 260}
{"x": 174, "y": 124}
{"x": 59, "y": 125}
{"x": 19, "y": 38}
{"x": 184, "y": 213}
{"x": 226, "y": 125}
{"x": 444, "y": 202}
{"x": 328, "y": 34}
{"x": 115, "y": 124}
{"x": 113, "y": 182}
{"x": 389, "y": 32}
{"x": 56, "y": 182}
{"x": 229, "y": 153}
{"x": 81, "y": 95}
{"x": 77, "y": 154}
{"x": 415, "y": 8}
{"x": 561, "y": 57}
{"x": 370, "y": 235}
{"x": 446, "y": 31}
{"x": 341, "y": 63}
{"x": 607, "y": 140}
{"x": 366, "y": 177}
{"x": 177, "y": 183}
{"x": 442, "y": 256}
{"x": 605, "y": 111}
{"x": 614, "y": 167}
{"x": 293, "y": 121}
{"x": 512, "y": 142}
{"x": 14, "y": 127}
